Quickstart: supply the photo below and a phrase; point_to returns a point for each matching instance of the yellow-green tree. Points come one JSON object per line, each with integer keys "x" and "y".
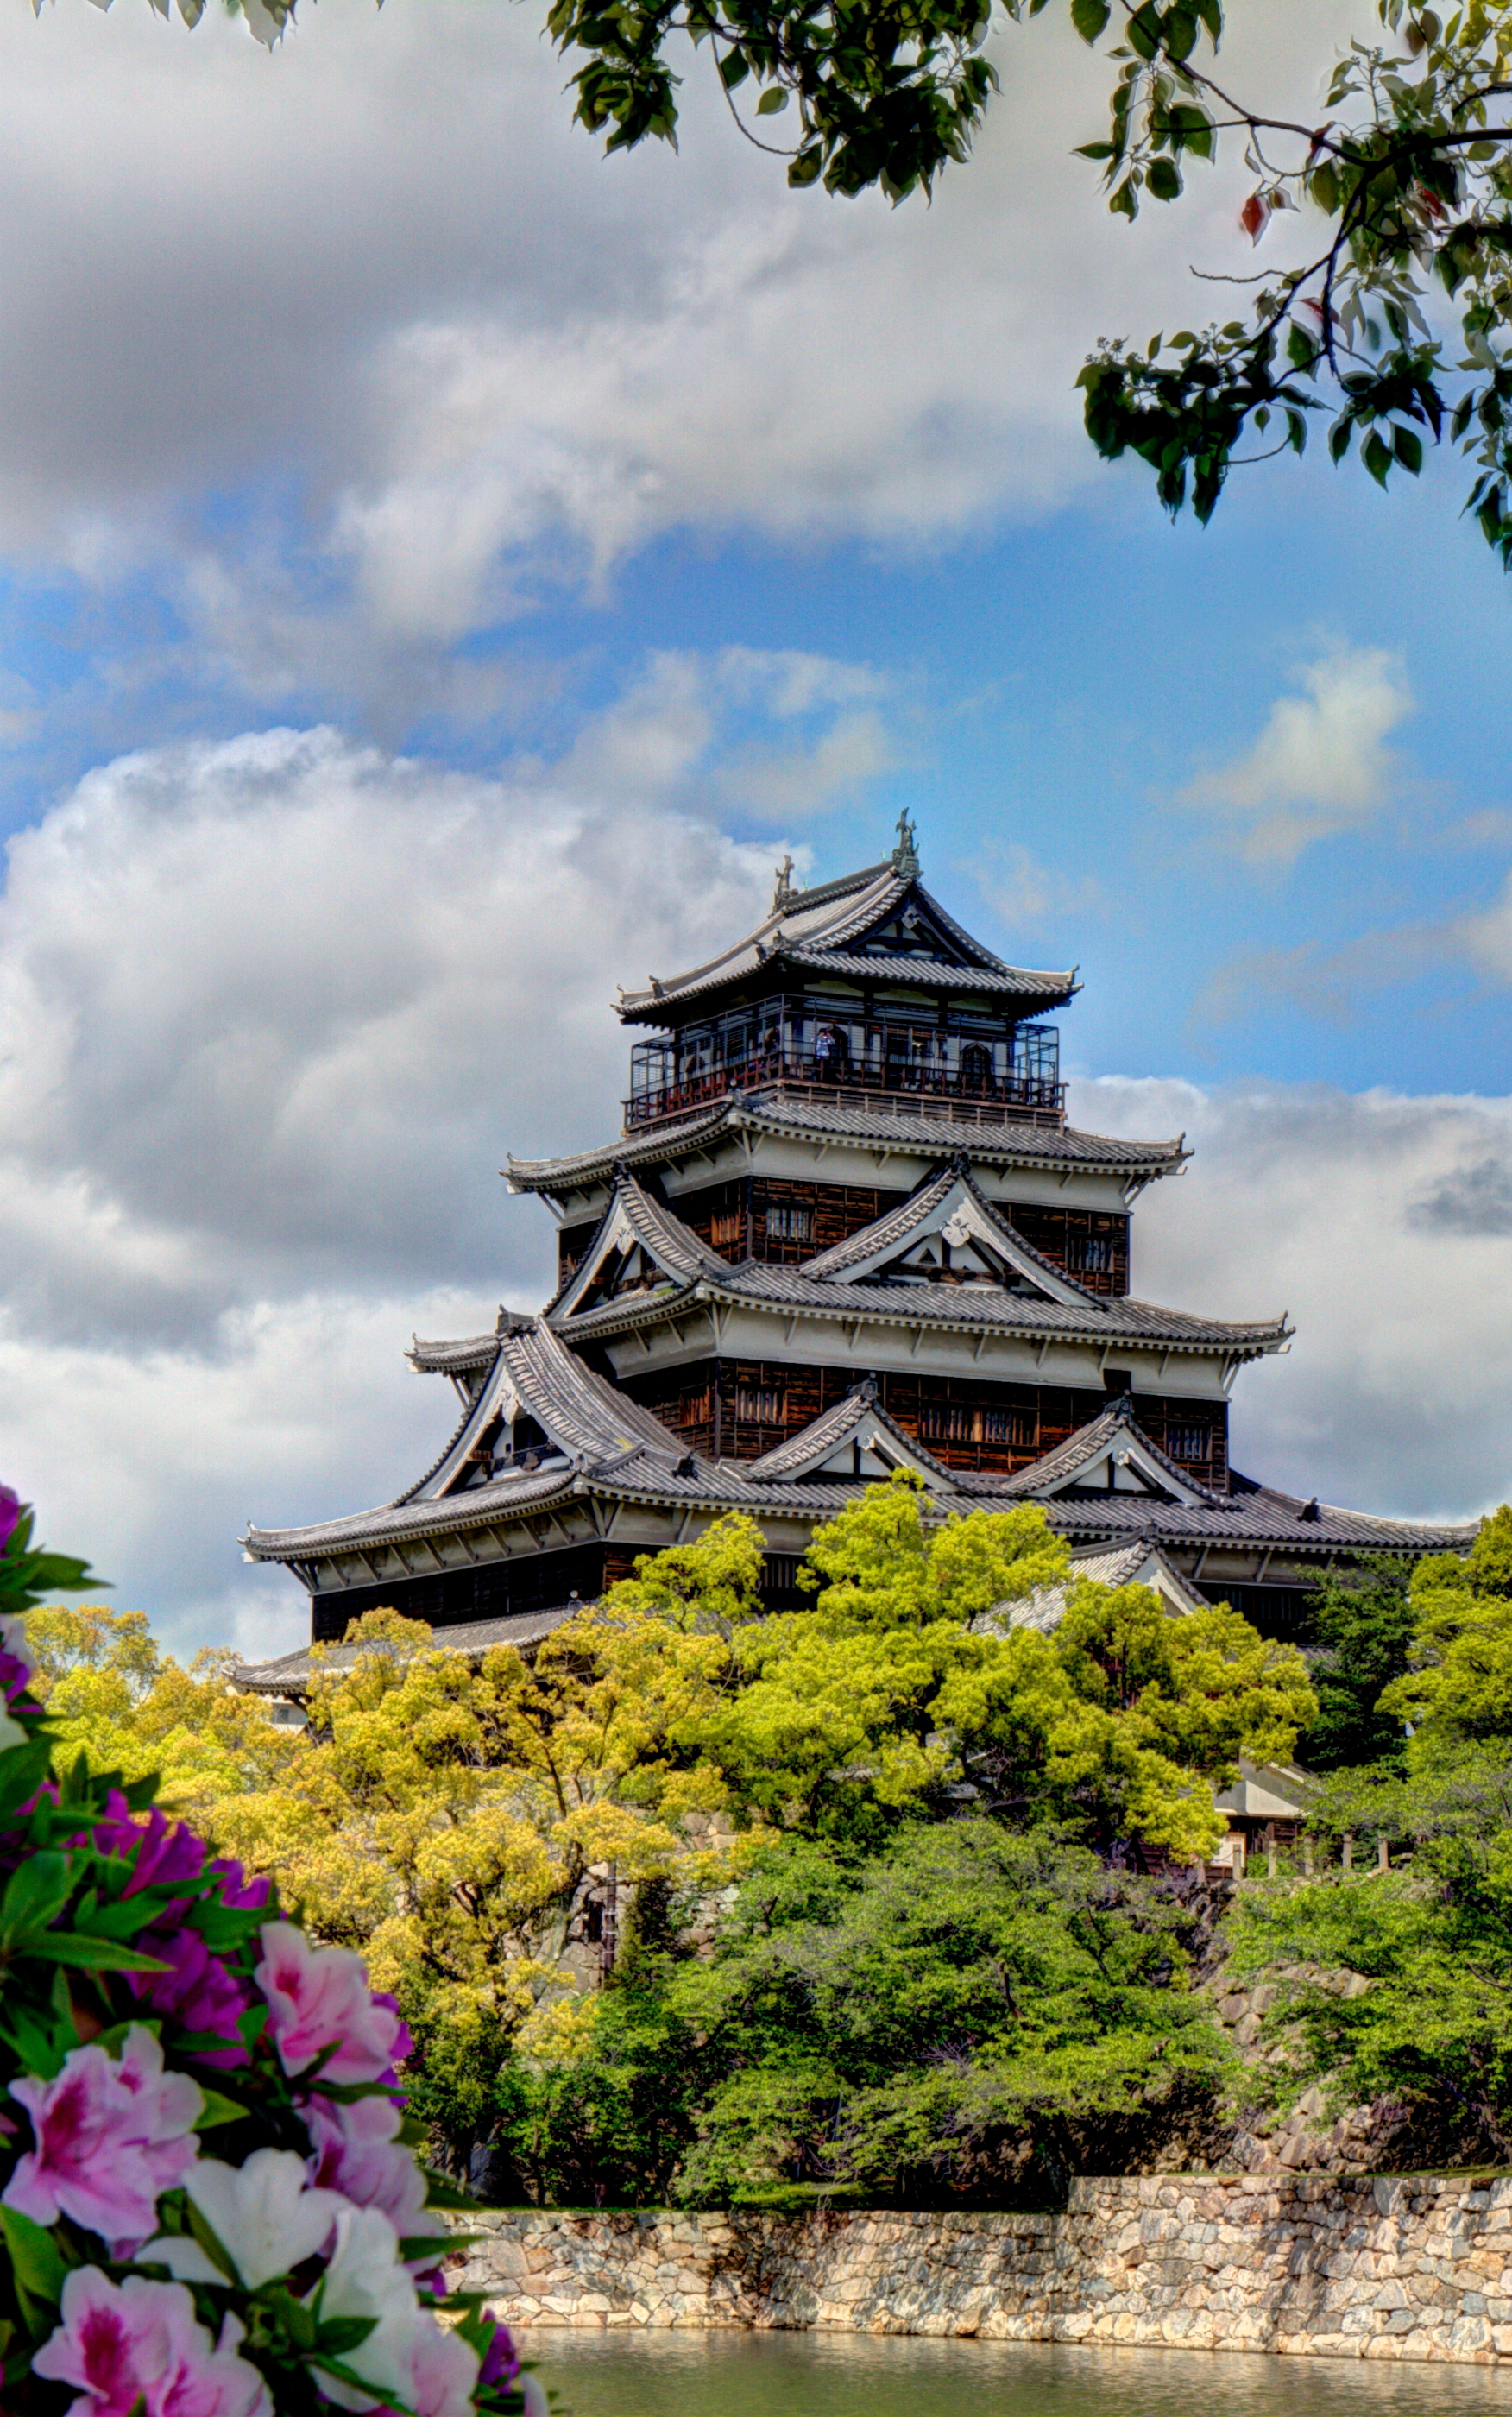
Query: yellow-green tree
{"x": 112, "y": 1695}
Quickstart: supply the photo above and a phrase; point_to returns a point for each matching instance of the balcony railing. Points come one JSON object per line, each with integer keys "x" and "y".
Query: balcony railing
{"x": 891, "y": 1090}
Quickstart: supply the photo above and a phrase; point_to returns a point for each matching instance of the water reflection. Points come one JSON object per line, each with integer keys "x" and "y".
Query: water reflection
{"x": 840, "y": 2375}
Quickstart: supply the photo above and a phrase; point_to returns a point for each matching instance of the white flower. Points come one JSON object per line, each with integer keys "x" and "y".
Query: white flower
{"x": 366, "y": 2277}
{"x": 263, "y": 2213}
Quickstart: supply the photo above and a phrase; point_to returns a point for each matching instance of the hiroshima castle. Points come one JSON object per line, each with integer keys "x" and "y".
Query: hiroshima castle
{"x": 845, "y": 1229}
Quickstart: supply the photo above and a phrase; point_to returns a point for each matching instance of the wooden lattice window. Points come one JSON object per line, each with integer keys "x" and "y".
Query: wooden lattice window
{"x": 788, "y": 1224}
{"x": 1188, "y": 1442}
{"x": 759, "y": 1406}
{"x": 727, "y": 1229}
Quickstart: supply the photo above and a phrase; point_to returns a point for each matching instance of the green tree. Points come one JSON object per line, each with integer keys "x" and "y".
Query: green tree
{"x": 1364, "y": 1622}
{"x": 1398, "y": 1985}
{"x": 966, "y": 2010}
{"x": 904, "y": 1689}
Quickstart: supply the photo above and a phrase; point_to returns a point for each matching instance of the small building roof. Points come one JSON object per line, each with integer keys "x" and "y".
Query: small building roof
{"x": 875, "y": 925}
{"x": 1141, "y": 1563}
{"x": 293, "y": 1674}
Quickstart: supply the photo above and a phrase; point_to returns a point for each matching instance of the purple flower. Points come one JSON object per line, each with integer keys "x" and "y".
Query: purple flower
{"x": 162, "y": 1853}
{"x": 501, "y": 2360}
{"x": 235, "y": 1890}
{"x": 9, "y": 1515}
{"x": 197, "y": 1992}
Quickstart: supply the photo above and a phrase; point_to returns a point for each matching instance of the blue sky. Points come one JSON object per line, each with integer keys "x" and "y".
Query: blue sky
{"x": 441, "y": 571}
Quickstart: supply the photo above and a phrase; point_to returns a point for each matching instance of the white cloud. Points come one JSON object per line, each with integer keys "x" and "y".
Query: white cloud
{"x": 271, "y": 1013}
{"x": 1380, "y": 1224}
{"x": 1319, "y": 766}
{"x": 380, "y": 284}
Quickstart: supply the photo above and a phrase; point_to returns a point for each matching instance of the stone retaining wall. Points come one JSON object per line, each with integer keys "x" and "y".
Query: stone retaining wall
{"x": 1305, "y": 2265}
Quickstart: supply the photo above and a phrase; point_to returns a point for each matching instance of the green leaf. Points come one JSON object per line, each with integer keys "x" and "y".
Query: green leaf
{"x": 341, "y": 2333}
{"x": 90, "y": 1954}
{"x": 1090, "y": 18}
{"x": 297, "y": 2320}
{"x": 37, "y": 2263}
{"x": 442, "y": 2192}
{"x": 805, "y": 169}
{"x": 772, "y": 100}
{"x": 1164, "y": 179}
{"x": 1093, "y": 151}
{"x": 1408, "y": 447}
{"x": 217, "y": 2110}
{"x": 1376, "y": 455}
{"x": 210, "y": 2241}
{"x": 36, "y": 1891}
{"x": 23, "y": 1770}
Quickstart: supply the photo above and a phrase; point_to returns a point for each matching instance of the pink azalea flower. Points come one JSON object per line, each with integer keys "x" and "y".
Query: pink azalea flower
{"x": 9, "y": 1515}
{"x": 137, "y": 2343}
{"x": 443, "y": 2370}
{"x": 109, "y": 2138}
{"x": 318, "y": 1999}
{"x": 357, "y": 2154}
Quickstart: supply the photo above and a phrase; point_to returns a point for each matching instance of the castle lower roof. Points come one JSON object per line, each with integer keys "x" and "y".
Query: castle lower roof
{"x": 913, "y": 1128}
{"x": 609, "y": 1449}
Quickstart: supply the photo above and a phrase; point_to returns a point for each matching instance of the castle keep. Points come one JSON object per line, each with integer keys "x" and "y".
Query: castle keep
{"x": 845, "y": 1229}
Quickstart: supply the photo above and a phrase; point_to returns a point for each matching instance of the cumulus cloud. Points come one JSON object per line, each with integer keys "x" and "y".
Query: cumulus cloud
{"x": 1319, "y": 766}
{"x": 271, "y": 1013}
{"x": 380, "y": 290}
{"x": 1380, "y": 1223}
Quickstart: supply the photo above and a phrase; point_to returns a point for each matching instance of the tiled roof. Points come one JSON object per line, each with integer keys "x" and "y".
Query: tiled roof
{"x": 893, "y": 1232}
{"x": 815, "y": 928}
{"x": 1061, "y": 1467}
{"x": 452, "y": 1359}
{"x": 913, "y": 1129}
{"x": 1046, "y": 1607}
{"x": 857, "y": 1409}
{"x": 1262, "y": 1517}
{"x": 969, "y": 1309}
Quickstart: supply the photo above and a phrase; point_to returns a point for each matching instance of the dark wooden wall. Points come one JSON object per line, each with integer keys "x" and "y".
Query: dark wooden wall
{"x": 782, "y": 1223}
{"x": 735, "y": 1409}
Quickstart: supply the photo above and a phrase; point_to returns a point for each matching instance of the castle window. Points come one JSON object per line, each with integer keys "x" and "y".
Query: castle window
{"x": 1190, "y": 1443}
{"x": 1088, "y": 1254}
{"x": 759, "y": 1406}
{"x": 725, "y": 1230}
{"x": 788, "y": 1224}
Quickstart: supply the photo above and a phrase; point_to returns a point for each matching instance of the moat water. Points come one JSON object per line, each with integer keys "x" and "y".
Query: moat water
{"x": 840, "y": 2375}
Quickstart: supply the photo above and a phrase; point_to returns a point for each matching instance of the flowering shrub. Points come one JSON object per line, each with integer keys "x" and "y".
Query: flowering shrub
{"x": 211, "y": 2204}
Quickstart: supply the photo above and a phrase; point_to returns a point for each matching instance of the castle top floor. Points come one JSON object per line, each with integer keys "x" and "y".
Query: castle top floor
{"x": 862, "y": 990}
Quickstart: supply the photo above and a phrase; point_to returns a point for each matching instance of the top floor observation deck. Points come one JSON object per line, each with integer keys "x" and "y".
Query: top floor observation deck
{"x": 864, "y": 992}
{"x": 891, "y": 1059}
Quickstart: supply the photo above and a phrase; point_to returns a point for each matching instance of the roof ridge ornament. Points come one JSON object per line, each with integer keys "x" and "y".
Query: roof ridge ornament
{"x": 905, "y": 855}
{"x": 785, "y": 895}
